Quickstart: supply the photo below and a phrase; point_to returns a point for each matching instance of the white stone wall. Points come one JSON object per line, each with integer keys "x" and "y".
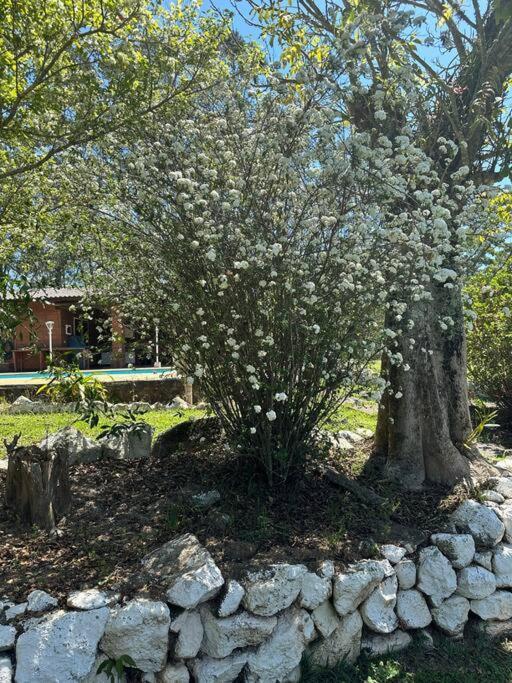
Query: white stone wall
{"x": 208, "y": 629}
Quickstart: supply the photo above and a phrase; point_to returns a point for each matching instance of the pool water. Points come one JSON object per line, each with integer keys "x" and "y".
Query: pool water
{"x": 128, "y": 372}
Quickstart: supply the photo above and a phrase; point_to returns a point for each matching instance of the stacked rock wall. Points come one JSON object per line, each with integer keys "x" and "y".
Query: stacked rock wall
{"x": 207, "y": 629}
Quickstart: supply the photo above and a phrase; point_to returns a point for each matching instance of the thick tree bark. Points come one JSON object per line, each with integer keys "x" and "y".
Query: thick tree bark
{"x": 422, "y": 434}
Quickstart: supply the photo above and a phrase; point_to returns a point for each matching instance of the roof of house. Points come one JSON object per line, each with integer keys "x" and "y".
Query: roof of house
{"x": 57, "y": 293}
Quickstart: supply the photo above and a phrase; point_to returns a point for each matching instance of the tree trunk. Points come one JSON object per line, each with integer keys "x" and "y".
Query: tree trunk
{"x": 421, "y": 435}
{"x": 38, "y": 486}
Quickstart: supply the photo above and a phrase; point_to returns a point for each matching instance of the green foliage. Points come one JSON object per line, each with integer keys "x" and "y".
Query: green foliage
{"x": 114, "y": 669}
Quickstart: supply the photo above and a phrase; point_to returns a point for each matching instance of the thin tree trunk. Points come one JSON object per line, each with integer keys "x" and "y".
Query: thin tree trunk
{"x": 421, "y": 435}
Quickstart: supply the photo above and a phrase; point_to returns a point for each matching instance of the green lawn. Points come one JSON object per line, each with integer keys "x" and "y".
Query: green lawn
{"x": 34, "y": 428}
{"x": 474, "y": 660}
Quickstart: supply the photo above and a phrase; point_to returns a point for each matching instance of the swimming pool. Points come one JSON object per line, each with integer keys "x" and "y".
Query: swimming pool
{"x": 118, "y": 373}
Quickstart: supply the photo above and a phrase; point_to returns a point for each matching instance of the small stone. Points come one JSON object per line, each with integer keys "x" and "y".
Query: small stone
{"x": 406, "y": 574}
{"x": 272, "y": 590}
{"x": 435, "y": 573}
{"x": 326, "y": 569}
{"x": 222, "y": 636}
{"x": 412, "y": 610}
{"x": 91, "y": 598}
{"x": 6, "y": 670}
{"x": 343, "y": 644}
{"x": 315, "y": 590}
{"x": 502, "y": 565}
{"x": 325, "y": 618}
{"x": 39, "y": 601}
{"x": 493, "y": 496}
{"x": 209, "y": 670}
{"x": 351, "y": 588}
{"x": 189, "y": 627}
{"x": 231, "y": 599}
{"x": 475, "y": 582}
{"x": 377, "y": 610}
{"x": 393, "y": 553}
{"x": 479, "y": 521}
{"x": 378, "y": 645}
{"x": 458, "y": 548}
{"x": 174, "y": 673}
{"x": 207, "y": 499}
{"x": 7, "y": 638}
{"x": 503, "y": 486}
{"x": 484, "y": 559}
{"x": 505, "y": 513}
{"x": 496, "y": 606}
{"x": 451, "y": 616}
{"x": 16, "y": 611}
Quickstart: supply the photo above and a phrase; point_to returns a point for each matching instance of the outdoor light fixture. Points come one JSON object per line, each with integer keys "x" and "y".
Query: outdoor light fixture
{"x": 157, "y": 348}
{"x": 49, "y": 324}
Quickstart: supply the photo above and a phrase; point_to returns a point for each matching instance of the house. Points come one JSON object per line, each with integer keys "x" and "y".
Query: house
{"x": 56, "y": 321}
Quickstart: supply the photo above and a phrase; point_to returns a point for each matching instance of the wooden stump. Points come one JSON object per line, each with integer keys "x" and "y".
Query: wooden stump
{"x": 38, "y": 486}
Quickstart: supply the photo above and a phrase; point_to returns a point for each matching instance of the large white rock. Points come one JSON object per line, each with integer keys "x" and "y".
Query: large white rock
{"x": 436, "y": 576}
{"x": 131, "y": 444}
{"x": 412, "y": 610}
{"x": 80, "y": 449}
{"x": 502, "y": 565}
{"x": 351, "y": 588}
{"x": 325, "y": 618}
{"x": 503, "y": 486}
{"x": 222, "y": 636}
{"x": 277, "y": 657}
{"x": 91, "y": 598}
{"x": 475, "y": 582}
{"x": 7, "y": 638}
{"x": 140, "y": 629}
{"x": 231, "y": 599}
{"x": 6, "y": 670}
{"x": 496, "y": 606}
{"x": 343, "y": 644}
{"x": 60, "y": 647}
{"x": 406, "y": 574}
{"x": 378, "y": 645}
{"x": 451, "y": 616}
{"x": 186, "y": 569}
{"x": 315, "y": 590}
{"x": 174, "y": 673}
{"x": 458, "y": 548}
{"x": 208, "y": 670}
{"x": 271, "y": 590}
{"x": 378, "y": 610}
{"x": 479, "y": 521}
{"x": 40, "y": 601}
{"x": 189, "y": 627}
{"x": 393, "y": 553}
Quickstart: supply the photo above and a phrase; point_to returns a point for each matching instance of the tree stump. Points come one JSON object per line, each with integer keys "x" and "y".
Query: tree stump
{"x": 38, "y": 487}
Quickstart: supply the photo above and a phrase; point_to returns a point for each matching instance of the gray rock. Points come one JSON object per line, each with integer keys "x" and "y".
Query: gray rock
{"x": 231, "y": 599}
{"x": 206, "y": 499}
{"x": 502, "y": 565}
{"x": 131, "y": 444}
{"x": 141, "y": 629}
{"x": 475, "y": 582}
{"x": 222, "y": 636}
{"x": 393, "y": 553}
{"x": 493, "y": 497}
{"x": 343, "y": 644}
{"x": 209, "y": 670}
{"x": 174, "y": 673}
{"x": 326, "y": 569}
{"x": 7, "y": 638}
{"x": 377, "y": 610}
{"x": 451, "y": 616}
{"x": 458, "y": 548}
{"x": 60, "y": 647}
{"x": 497, "y": 606}
{"x": 412, "y": 610}
{"x": 6, "y": 670}
{"x": 503, "y": 486}
{"x": 325, "y": 618}
{"x": 189, "y": 627}
{"x": 91, "y": 598}
{"x": 378, "y": 645}
{"x": 351, "y": 588}
{"x": 186, "y": 569}
{"x": 436, "y": 576}
{"x": 315, "y": 590}
{"x": 39, "y": 601}
{"x": 406, "y": 574}
{"x": 80, "y": 449}
{"x": 479, "y": 521}
{"x": 484, "y": 559}
{"x": 12, "y": 613}
{"x": 272, "y": 590}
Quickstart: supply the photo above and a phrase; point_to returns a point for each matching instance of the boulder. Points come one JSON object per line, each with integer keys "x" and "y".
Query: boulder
{"x": 189, "y": 627}
{"x": 393, "y": 553}
{"x": 436, "y": 576}
{"x": 174, "y": 673}
{"x": 325, "y": 618}
{"x": 91, "y": 598}
{"x": 326, "y": 569}
{"x": 343, "y": 644}
{"x": 186, "y": 569}
{"x": 7, "y": 638}
{"x": 315, "y": 590}
{"x": 479, "y": 521}
{"x": 502, "y": 565}
{"x": 377, "y": 610}
{"x": 231, "y": 599}
{"x": 505, "y": 514}
{"x": 484, "y": 559}
{"x": 133, "y": 443}
{"x": 497, "y": 606}
{"x": 351, "y": 588}
{"x": 406, "y": 574}
{"x": 451, "y": 615}
{"x": 458, "y": 548}
{"x": 79, "y": 448}
{"x": 227, "y": 670}
{"x": 140, "y": 629}
{"x": 378, "y": 645}
{"x": 281, "y": 654}
{"x": 60, "y": 647}
{"x": 12, "y": 613}
{"x": 492, "y": 497}
{"x": 475, "y": 582}
{"x": 222, "y": 636}
{"x": 6, "y": 670}
{"x": 272, "y": 590}
{"x": 503, "y": 486}
{"x": 412, "y": 610}
{"x": 39, "y": 601}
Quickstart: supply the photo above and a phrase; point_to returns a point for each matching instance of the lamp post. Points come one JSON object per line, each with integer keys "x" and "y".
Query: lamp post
{"x": 157, "y": 363}
{"x": 49, "y": 325}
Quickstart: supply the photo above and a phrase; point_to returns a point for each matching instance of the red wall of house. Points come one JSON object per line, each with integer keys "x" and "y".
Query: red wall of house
{"x": 26, "y": 335}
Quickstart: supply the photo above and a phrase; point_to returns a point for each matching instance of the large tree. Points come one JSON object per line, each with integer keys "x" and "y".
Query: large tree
{"x": 459, "y": 61}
